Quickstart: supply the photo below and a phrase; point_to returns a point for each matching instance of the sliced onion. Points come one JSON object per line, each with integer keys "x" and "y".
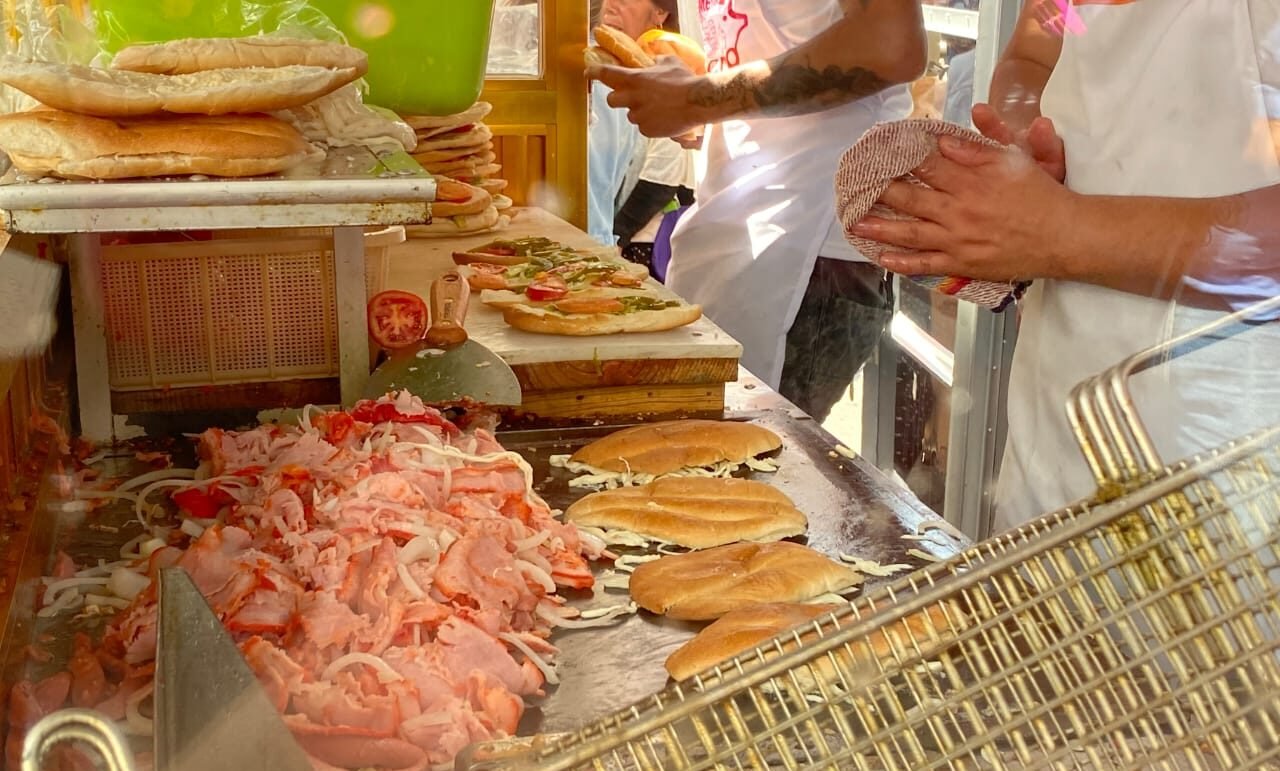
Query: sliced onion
{"x": 106, "y": 494}
{"x": 152, "y": 545}
{"x": 134, "y": 721}
{"x": 142, "y": 480}
{"x": 130, "y": 550}
{"x": 103, "y": 601}
{"x": 126, "y": 583}
{"x": 59, "y": 586}
{"x": 420, "y": 547}
{"x": 532, "y": 542}
{"x": 580, "y": 623}
{"x": 871, "y": 567}
{"x": 539, "y": 575}
{"x": 544, "y": 666}
{"x": 65, "y": 601}
{"x": 629, "y": 562}
{"x": 101, "y": 569}
{"x": 192, "y": 528}
{"x": 923, "y": 555}
{"x": 385, "y": 673}
{"x": 944, "y": 526}
{"x": 407, "y": 579}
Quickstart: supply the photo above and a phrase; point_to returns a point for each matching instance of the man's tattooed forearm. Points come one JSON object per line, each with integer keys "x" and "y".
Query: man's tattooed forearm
{"x": 791, "y": 89}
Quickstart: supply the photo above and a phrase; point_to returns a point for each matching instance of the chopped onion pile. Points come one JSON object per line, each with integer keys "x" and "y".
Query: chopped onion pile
{"x": 590, "y": 476}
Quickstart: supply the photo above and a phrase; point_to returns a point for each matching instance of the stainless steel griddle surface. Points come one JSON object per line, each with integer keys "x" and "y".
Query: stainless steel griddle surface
{"x": 852, "y": 508}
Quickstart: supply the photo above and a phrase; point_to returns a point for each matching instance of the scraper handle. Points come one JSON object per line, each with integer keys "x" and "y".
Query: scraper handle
{"x": 448, "y": 308}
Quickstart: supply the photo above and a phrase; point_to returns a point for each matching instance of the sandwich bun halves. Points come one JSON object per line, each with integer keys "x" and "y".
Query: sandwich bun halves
{"x": 70, "y": 145}
{"x": 738, "y": 632}
{"x": 918, "y": 635}
{"x": 110, "y": 93}
{"x": 704, "y": 585}
{"x": 670, "y": 446}
{"x": 695, "y": 512}
{"x": 180, "y": 57}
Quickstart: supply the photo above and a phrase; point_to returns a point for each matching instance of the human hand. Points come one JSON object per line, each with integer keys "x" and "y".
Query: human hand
{"x": 987, "y": 213}
{"x": 656, "y": 98}
{"x": 1040, "y": 140}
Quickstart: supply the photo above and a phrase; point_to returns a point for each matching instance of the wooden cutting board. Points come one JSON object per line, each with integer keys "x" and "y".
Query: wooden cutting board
{"x": 601, "y": 376}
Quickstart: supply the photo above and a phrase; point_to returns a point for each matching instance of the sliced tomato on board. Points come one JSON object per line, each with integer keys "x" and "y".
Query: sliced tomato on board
{"x": 397, "y": 319}
{"x": 589, "y": 305}
{"x": 546, "y": 287}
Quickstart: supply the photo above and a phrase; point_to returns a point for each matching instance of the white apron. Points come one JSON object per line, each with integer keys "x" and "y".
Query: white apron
{"x": 1157, "y": 98}
{"x": 765, "y": 199}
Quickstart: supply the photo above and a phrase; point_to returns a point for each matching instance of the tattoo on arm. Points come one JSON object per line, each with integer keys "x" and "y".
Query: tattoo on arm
{"x": 792, "y": 88}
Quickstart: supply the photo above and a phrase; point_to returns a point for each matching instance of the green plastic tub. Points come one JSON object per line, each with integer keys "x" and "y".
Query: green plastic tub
{"x": 426, "y": 57}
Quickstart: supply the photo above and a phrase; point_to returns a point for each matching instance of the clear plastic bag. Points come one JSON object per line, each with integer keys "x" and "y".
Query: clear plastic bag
{"x": 125, "y": 22}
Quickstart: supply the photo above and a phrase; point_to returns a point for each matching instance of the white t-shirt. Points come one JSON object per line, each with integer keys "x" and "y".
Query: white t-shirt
{"x": 667, "y": 163}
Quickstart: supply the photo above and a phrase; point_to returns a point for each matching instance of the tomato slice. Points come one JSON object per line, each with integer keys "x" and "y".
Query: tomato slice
{"x": 589, "y": 305}
{"x": 546, "y": 287}
{"x": 449, "y": 191}
{"x": 397, "y": 319}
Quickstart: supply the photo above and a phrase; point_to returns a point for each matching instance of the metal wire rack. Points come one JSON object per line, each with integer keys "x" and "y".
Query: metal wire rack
{"x": 1139, "y": 630}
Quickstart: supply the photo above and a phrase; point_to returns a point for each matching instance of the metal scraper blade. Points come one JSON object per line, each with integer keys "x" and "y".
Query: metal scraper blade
{"x": 211, "y": 713}
{"x": 447, "y": 376}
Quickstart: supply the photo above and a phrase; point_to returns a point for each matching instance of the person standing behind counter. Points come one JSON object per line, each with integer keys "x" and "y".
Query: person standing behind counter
{"x": 615, "y": 149}
{"x": 1161, "y": 117}
{"x": 748, "y": 250}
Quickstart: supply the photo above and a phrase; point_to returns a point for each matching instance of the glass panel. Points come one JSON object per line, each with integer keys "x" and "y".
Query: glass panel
{"x": 515, "y": 44}
{"x": 924, "y": 330}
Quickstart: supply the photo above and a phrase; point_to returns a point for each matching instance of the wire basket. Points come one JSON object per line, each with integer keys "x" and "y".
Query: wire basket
{"x": 1139, "y": 631}
{"x": 227, "y": 310}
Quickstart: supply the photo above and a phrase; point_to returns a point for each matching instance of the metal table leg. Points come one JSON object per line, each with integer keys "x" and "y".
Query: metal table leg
{"x": 353, "y": 334}
{"x": 88, "y": 317}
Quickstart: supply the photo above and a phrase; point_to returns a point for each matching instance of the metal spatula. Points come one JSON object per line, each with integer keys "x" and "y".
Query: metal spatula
{"x": 447, "y": 367}
{"x": 211, "y": 713}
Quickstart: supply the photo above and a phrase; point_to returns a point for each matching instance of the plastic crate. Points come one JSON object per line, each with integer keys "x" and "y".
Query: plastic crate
{"x": 228, "y": 310}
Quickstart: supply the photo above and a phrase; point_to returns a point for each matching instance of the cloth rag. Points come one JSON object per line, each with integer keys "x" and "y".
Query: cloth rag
{"x": 889, "y": 152}
{"x": 28, "y": 303}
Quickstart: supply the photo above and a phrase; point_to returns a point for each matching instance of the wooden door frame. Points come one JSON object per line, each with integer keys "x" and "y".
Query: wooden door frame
{"x": 553, "y": 105}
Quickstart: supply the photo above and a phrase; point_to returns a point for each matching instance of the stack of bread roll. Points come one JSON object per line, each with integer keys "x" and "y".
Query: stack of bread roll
{"x": 458, "y": 150}
{"x": 187, "y": 107}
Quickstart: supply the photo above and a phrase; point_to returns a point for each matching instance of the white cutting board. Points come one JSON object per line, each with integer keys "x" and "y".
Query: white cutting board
{"x": 417, "y": 262}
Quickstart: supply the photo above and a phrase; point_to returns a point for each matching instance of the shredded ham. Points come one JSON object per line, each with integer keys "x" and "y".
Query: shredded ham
{"x": 377, "y": 567}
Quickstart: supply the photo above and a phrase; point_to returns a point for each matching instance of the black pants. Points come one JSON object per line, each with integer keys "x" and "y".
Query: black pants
{"x": 644, "y": 203}
{"x": 845, "y": 309}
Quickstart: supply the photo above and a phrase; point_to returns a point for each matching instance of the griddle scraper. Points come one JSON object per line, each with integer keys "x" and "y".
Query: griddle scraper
{"x": 446, "y": 367}
{"x": 211, "y": 713}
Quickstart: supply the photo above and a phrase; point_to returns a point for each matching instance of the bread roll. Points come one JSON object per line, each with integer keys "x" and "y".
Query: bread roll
{"x": 119, "y": 93}
{"x": 476, "y": 136}
{"x": 179, "y": 57}
{"x": 738, "y": 632}
{"x": 703, "y": 585}
{"x": 620, "y": 45}
{"x": 441, "y": 123}
{"x": 545, "y": 321}
{"x": 921, "y": 634}
{"x": 80, "y": 146}
{"x": 595, "y": 55}
{"x": 664, "y": 447}
{"x": 478, "y": 203}
{"x": 697, "y": 512}
{"x": 456, "y": 225}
